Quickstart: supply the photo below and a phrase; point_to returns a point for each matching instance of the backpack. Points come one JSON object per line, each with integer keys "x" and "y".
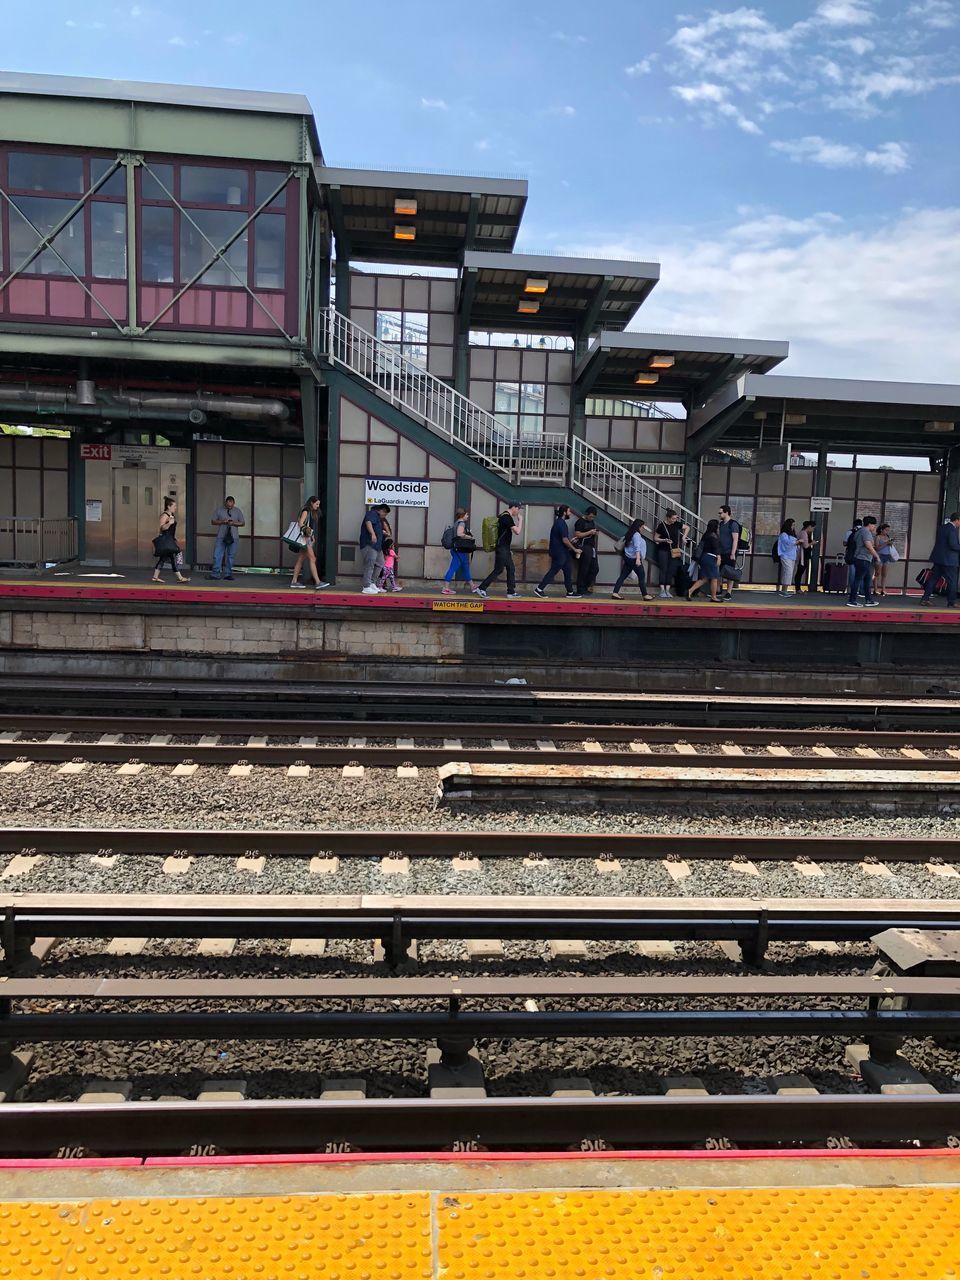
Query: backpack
{"x": 850, "y": 548}
{"x": 490, "y": 531}
{"x": 446, "y": 539}
{"x": 775, "y": 551}
{"x": 744, "y": 542}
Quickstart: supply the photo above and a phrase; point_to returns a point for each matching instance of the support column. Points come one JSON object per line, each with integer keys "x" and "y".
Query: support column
{"x": 311, "y": 432}
{"x": 461, "y": 365}
{"x": 691, "y": 482}
{"x": 951, "y": 483}
{"x": 343, "y": 283}
{"x": 331, "y": 499}
{"x": 819, "y": 491}
{"x": 130, "y": 164}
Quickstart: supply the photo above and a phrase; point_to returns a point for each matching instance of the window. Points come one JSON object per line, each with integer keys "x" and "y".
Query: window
{"x": 156, "y": 244}
{"x": 266, "y": 184}
{"x": 898, "y": 515}
{"x": 520, "y": 407}
{"x": 268, "y": 251}
{"x": 150, "y": 187}
{"x": 38, "y": 171}
{"x": 603, "y": 407}
{"x": 197, "y": 243}
{"x": 108, "y": 240}
{"x": 209, "y": 185}
{"x": 409, "y": 331}
{"x": 766, "y": 529}
{"x": 116, "y": 184}
{"x": 44, "y": 213}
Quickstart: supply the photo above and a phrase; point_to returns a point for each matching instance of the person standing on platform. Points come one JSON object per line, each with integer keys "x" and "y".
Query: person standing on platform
{"x": 787, "y": 556}
{"x": 865, "y": 555}
{"x": 563, "y": 552}
{"x": 309, "y": 522}
{"x": 585, "y": 535}
{"x": 946, "y": 560}
{"x": 886, "y": 552}
{"x": 372, "y": 533}
{"x": 669, "y": 537}
{"x": 227, "y": 518}
{"x": 708, "y": 557}
{"x": 805, "y": 544}
{"x": 729, "y": 533}
{"x": 509, "y": 524}
{"x": 633, "y": 556}
{"x": 165, "y": 544}
{"x": 462, "y": 546}
{"x": 852, "y": 567}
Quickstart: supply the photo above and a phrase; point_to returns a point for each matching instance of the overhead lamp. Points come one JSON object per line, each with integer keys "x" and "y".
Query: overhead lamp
{"x": 528, "y": 306}
{"x": 760, "y": 416}
{"x": 644, "y": 379}
{"x": 536, "y": 284}
{"x": 406, "y": 206}
{"x": 402, "y": 231}
{"x": 794, "y": 419}
{"x": 938, "y": 428}
{"x": 662, "y": 362}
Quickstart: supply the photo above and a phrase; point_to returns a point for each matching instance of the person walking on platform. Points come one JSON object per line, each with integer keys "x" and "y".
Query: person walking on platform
{"x": 585, "y": 535}
{"x": 708, "y": 557}
{"x": 372, "y": 533}
{"x": 669, "y": 537}
{"x": 462, "y": 546}
{"x": 864, "y": 557}
{"x": 805, "y": 544}
{"x": 946, "y": 560}
{"x": 509, "y": 524}
{"x": 227, "y": 518}
{"x": 632, "y": 557}
{"x": 787, "y": 556}
{"x": 563, "y": 552}
{"x": 309, "y": 522}
{"x": 729, "y": 532}
{"x": 165, "y": 544}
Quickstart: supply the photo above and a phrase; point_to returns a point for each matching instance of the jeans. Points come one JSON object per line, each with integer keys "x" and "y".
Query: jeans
{"x": 502, "y": 559}
{"x": 372, "y": 558}
{"x": 948, "y": 571}
{"x": 459, "y": 560}
{"x": 667, "y": 564}
{"x": 629, "y": 565}
{"x": 223, "y": 554}
{"x": 559, "y": 564}
{"x": 803, "y": 569}
{"x": 862, "y": 581}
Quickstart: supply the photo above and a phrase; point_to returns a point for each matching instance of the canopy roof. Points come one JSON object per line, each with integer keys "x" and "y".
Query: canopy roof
{"x": 692, "y": 368}
{"x": 570, "y": 294}
{"x": 451, "y": 214}
{"x": 846, "y": 414}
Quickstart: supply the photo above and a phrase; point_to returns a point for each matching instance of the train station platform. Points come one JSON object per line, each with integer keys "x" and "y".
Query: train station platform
{"x": 689, "y": 1216}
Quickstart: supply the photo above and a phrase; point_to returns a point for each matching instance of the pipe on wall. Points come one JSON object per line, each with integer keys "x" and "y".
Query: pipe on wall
{"x": 148, "y": 403}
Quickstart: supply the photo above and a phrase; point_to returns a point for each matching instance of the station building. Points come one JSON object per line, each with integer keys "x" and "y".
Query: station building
{"x": 194, "y": 303}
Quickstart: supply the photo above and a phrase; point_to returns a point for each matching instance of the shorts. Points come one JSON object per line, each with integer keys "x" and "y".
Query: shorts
{"x": 710, "y": 567}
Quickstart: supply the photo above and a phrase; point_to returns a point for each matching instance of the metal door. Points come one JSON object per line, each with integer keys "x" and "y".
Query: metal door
{"x": 136, "y": 516}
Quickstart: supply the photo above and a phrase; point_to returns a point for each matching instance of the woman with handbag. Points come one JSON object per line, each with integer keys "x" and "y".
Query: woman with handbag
{"x": 301, "y": 536}
{"x": 888, "y": 555}
{"x": 463, "y": 546}
{"x": 165, "y": 544}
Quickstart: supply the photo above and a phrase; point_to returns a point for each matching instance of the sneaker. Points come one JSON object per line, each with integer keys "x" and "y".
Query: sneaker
{"x": 872, "y": 604}
{"x": 398, "y": 587}
{"x": 851, "y": 605}
{"x": 481, "y": 593}
{"x": 615, "y": 595}
{"x": 297, "y": 586}
{"x": 537, "y": 591}
{"x": 448, "y": 591}
{"x": 512, "y": 595}
{"x": 664, "y": 594}
{"x": 370, "y": 591}
{"x": 320, "y": 586}
{"x": 926, "y": 602}
{"x": 228, "y": 577}
{"x": 476, "y": 590}
{"x": 215, "y": 576}
{"x": 727, "y": 595}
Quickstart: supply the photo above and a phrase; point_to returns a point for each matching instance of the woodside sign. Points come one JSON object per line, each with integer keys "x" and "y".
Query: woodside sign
{"x": 396, "y": 491}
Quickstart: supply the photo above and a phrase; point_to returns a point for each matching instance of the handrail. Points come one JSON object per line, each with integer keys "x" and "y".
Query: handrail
{"x": 622, "y": 492}
{"x": 35, "y": 541}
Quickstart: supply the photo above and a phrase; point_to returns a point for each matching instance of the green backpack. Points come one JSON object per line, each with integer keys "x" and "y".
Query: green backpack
{"x": 490, "y": 531}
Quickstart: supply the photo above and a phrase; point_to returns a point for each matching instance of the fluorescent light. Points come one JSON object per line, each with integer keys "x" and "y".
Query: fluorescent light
{"x": 528, "y": 306}
{"x": 403, "y": 232}
{"x": 536, "y": 285}
{"x": 939, "y": 428}
{"x": 662, "y": 362}
{"x": 405, "y": 205}
{"x": 794, "y": 419}
{"x": 645, "y": 379}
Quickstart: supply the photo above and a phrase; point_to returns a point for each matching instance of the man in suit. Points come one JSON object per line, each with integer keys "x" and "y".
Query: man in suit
{"x": 946, "y": 560}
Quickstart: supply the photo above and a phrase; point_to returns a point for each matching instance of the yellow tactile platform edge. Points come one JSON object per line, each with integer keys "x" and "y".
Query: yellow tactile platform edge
{"x": 800, "y": 1234}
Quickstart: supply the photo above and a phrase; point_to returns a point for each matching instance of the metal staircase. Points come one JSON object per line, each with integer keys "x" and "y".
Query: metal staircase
{"x": 545, "y": 458}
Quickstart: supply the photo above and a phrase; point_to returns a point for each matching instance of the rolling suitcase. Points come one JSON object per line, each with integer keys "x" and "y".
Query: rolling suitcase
{"x": 835, "y": 576}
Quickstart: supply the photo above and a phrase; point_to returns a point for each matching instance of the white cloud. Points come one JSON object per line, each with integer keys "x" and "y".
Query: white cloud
{"x": 888, "y": 157}
{"x": 178, "y": 42}
{"x": 568, "y": 111}
{"x": 641, "y": 68}
{"x": 482, "y": 144}
{"x": 235, "y": 37}
{"x": 845, "y": 13}
{"x": 433, "y": 104}
{"x": 939, "y": 14}
{"x": 136, "y": 11}
{"x": 714, "y": 101}
{"x": 878, "y": 302}
{"x": 860, "y": 45}
{"x": 566, "y": 38}
{"x": 899, "y": 75}
{"x": 85, "y": 26}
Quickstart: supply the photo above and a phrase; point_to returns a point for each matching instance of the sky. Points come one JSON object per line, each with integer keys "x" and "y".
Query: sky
{"x": 793, "y": 164}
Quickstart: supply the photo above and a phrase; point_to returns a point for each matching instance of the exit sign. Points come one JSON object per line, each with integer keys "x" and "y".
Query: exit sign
{"x": 96, "y": 452}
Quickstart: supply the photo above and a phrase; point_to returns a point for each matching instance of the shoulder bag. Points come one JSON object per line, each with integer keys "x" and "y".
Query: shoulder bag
{"x": 295, "y": 537}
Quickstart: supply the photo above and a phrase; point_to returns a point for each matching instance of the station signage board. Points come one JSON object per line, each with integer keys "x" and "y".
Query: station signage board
{"x": 96, "y": 452}
{"x": 821, "y": 504}
{"x": 396, "y": 491}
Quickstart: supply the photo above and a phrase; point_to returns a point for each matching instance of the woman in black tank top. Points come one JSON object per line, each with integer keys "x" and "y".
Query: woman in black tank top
{"x": 165, "y": 543}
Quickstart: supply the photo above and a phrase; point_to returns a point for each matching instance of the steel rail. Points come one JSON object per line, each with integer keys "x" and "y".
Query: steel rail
{"x": 559, "y": 732}
{"x": 513, "y": 1124}
{"x": 480, "y": 844}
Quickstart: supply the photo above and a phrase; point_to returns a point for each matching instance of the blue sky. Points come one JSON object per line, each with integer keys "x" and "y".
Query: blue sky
{"x": 793, "y": 164}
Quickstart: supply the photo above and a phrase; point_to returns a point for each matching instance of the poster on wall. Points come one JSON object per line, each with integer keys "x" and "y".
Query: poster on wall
{"x": 94, "y": 510}
{"x": 396, "y": 491}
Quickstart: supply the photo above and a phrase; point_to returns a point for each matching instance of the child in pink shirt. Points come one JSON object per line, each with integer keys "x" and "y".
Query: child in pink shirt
{"x": 388, "y": 575}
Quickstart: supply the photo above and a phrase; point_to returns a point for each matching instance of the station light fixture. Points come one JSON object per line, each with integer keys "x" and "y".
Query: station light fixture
{"x": 938, "y": 428}
{"x": 536, "y": 284}
{"x": 646, "y": 379}
{"x": 794, "y": 419}
{"x": 405, "y": 206}
{"x": 662, "y": 362}
{"x": 403, "y": 231}
{"x": 528, "y": 306}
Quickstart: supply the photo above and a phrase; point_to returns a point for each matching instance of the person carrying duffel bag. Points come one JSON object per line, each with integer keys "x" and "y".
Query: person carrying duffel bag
{"x": 460, "y": 542}
{"x": 165, "y": 544}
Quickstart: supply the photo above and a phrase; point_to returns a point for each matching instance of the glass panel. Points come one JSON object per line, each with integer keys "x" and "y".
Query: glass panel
{"x": 108, "y": 235}
{"x": 45, "y": 212}
{"x": 267, "y": 513}
{"x": 415, "y": 351}
{"x": 195, "y": 251}
{"x": 150, "y": 187}
{"x": 268, "y": 256}
{"x": 506, "y": 397}
{"x": 266, "y": 183}
{"x": 897, "y": 515}
{"x": 209, "y": 185}
{"x": 390, "y": 326}
{"x": 39, "y": 172}
{"x": 116, "y": 184}
{"x": 416, "y": 326}
{"x": 156, "y": 244}
{"x": 767, "y": 528}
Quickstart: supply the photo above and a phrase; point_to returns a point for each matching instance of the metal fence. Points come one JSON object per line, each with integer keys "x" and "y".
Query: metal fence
{"x": 35, "y": 541}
